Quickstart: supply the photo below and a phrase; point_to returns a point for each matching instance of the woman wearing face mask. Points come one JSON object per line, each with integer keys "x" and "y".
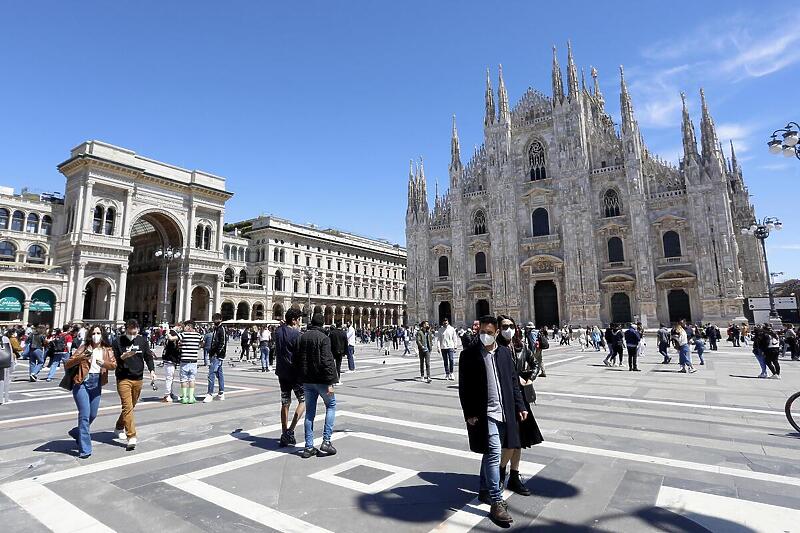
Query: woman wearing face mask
{"x": 511, "y": 337}
{"x": 94, "y": 359}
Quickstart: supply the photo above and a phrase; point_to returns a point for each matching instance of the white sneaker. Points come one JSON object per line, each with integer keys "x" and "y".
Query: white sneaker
{"x": 208, "y": 399}
{"x": 122, "y": 435}
{"x": 775, "y": 376}
{"x": 221, "y": 396}
{"x": 132, "y": 442}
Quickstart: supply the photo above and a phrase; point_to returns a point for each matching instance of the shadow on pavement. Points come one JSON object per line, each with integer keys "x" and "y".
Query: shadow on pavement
{"x": 70, "y": 447}
{"x": 744, "y": 377}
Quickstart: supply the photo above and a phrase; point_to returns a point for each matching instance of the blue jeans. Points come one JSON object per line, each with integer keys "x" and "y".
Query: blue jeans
{"x": 700, "y": 355}
{"x": 312, "y": 392}
{"x": 351, "y": 361}
{"x": 36, "y": 360}
{"x": 405, "y": 345}
{"x": 447, "y": 357}
{"x": 87, "y": 399}
{"x": 205, "y": 356}
{"x": 216, "y": 370}
{"x": 685, "y": 356}
{"x": 490, "y": 463}
{"x": 55, "y": 362}
{"x": 761, "y": 361}
{"x": 265, "y": 357}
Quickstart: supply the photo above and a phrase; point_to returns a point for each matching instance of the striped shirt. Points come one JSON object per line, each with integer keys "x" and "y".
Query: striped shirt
{"x": 191, "y": 343}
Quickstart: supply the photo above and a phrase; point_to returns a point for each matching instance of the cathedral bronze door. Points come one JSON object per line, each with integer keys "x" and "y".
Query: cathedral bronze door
{"x": 620, "y": 308}
{"x": 545, "y": 303}
{"x": 445, "y": 311}
{"x": 679, "y": 308}
{"x": 481, "y": 309}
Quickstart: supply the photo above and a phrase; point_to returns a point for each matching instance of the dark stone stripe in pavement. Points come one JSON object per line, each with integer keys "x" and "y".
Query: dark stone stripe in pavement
{"x": 551, "y": 483}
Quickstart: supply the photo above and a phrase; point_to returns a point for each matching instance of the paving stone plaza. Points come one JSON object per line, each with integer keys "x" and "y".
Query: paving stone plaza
{"x": 633, "y": 452}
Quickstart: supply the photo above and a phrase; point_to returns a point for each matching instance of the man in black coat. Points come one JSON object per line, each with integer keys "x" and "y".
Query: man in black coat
{"x": 491, "y": 400}
{"x": 316, "y": 370}
{"x": 338, "y": 338}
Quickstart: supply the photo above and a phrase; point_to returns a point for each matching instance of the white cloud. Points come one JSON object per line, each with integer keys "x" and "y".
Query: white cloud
{"x": 786, "y": 246}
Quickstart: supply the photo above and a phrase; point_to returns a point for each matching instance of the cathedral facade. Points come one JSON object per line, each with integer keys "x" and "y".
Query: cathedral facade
{"x": 562, "y": 217}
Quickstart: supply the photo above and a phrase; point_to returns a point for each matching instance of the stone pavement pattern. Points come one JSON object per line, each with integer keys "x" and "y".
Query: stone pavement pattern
{"x": 638, "y": 452}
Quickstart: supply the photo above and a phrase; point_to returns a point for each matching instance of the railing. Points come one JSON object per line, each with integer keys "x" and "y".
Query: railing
{"x": 671, "y": 261}
{"x": 614, "y": 265}
{"x": 667, "y": 194}
{"x": 474, "y": 194}
{"x": 604, "y": 170}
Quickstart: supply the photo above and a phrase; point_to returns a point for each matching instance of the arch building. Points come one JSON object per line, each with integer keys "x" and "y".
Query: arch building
{"x": 562, "y": 217}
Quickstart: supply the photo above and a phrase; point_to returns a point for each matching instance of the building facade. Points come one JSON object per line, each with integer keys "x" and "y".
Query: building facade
{"x": 561, "y": 217}
{"x": 137, "y": 238}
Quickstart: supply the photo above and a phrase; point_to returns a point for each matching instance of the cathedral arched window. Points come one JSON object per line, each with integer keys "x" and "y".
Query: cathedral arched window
{"x": 616, "y": 252}
{"x": 198, "y": 236}
{"x": 228, "y": 275}
{"x": 444, "y": 266}
{"x": 242, "y": 277}
{"x": 36, "y": 254}
{"x": 278, "y": 286}
{"x": 47, "y": 224}
{"x": 207, "y": 238}
{"x": 3, "y": 218}
{"x": 540, "y": 222}
{"x": 259, "y": 278}
{"x": 227, "y": 250}
{"x": 275, "y": 254}
{"x": 479, "y": 223}
{"x": 111, "y": 215}
{"x": 32, "y": 225}
{"x": 536, "y": 162}
{"x": 480, "y": 263}
{"x": 612, "y": 207}
{"x": 97, "y": 220}
{"x": 672, "y": 244}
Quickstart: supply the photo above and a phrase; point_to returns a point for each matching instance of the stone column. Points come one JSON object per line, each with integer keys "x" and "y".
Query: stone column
{"x": 122, "y": 287}
{"x": 87, "y": 205}
{"x": 58, "y": 313}
{"x": 187, "y": 301}
{"x": 26, "y": 309}
{"x": 126, "y": 218}
{"x": 78, "y": 293}
{"x": 192, "y": 229}
{"x": 220, "y": 221}
{"x": 217, "y": 306}
{"x": 112, "y": 305}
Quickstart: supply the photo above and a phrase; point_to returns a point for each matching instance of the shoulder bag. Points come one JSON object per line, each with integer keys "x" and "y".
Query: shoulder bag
{"x": 5, "y": 357}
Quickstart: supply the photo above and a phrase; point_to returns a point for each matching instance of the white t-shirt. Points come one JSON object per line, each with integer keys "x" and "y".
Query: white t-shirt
{"x": 264, "y": 336}
{"x": 97, "y": 360}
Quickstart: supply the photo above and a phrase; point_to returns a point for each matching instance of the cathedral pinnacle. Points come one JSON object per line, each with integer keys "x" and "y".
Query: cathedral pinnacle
{"x": 572, "y": 74}
{"x": 734, "y": 164}
{"x": 687, "y": 129}
{"x": 455, "y": 150}
{"x": 490, "y": 113}
{"x": 597, "y": 93}
{"x": 502, "y": 99}
{"x": 708, "y": 132}
{"x": 558, "y": 85}
{"x": 625, "y": 105}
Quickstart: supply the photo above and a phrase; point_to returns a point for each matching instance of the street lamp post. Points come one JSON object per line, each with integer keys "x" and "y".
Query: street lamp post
{"x": 789, "y": 145}
{"x": 761, "y": 230}
{"x": 166, "y": 254}
{"x": 308, "y": 274}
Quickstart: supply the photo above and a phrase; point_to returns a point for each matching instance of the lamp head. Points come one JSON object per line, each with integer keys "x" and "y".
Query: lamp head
{"x": 788, "y": 151}
{"x": 790, "y": 138}
{"x": 774, "y": 145}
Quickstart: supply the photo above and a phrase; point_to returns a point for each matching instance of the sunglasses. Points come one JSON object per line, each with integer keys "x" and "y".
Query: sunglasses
{"x": 507, "y": 326}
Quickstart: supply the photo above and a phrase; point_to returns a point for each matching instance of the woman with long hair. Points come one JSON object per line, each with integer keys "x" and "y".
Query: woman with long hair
{"x": 511, "y": 337}
{"x": 94, "y": 359}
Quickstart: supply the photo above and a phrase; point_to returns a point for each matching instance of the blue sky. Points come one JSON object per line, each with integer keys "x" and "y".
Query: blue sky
{"x": 312, "y": 111}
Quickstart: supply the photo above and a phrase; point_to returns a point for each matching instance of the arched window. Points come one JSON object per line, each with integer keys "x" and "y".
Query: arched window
{"x": 32, "y": 226}
{"x": 282, "y": 256}
{"x": 17, "y": 221}
{"x": 616, "y": 253}
{"x": 46, "y": 227}
{"x": 227, "y": 250}
{"x": 3, "y": 218}
{"x": 228, "y": 275}
{"x": 242, "y": 277}
{"x": 540, "y": 222}
{"x": 111, "y": 215}
{"x": 97, "y": 220}
{"x": 612, "y": 207}
{"x": 480, "y": 263}
{"x": 479, "y": 223}
{"x": 275, "y": 254}
{"x": 259, "y": 278}
{"x": 241, "y": 255}
{"x": 207, "y": 238}
{"x": 672, "y": 244}
{"x": 444, "y": 266}
{"x": 198, "y": 236}
{"x": 278, "y": 286}
{"x": 8, "y": 251}
{"x": 36, "y": 254}
{"x": 536, "y": 161}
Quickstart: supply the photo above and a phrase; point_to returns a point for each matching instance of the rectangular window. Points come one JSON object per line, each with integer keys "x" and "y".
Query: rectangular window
{"x": 347, "y": 267}
{"x": 296, "y": 259}
{"x": 356, "y": 268}
{"x": 308, "y": 287}
{"x": 338, "y": 265}
{"x": 319, "y": 262}
{"x": 338, "y": 290}
{"x": 308, "y": 261}
{"x": 330, "y": 289}
{"x": 319, "y": 288}
{"x": 329, "y": 264}
{"x": 348, "y": 290}
{"x": 295, "y": 286}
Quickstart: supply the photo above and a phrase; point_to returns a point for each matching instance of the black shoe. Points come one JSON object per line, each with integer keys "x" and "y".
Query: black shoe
{"x": 483, "y": 497}
{"x": 636, "y": 370}
{"x": 502, "y": 477}
{"x": 515, "y": 484}
{"x": 284, "y": 440}
{"x": 33, "y": 378}
{"x": 499, "y": 514}
{"x": 84, "y": 456}
{"x": 74, "y": 433}
{"x": 309, "y": 452}
{"x": 327, "y": 448}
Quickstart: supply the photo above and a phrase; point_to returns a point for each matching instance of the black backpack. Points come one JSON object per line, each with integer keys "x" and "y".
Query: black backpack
{"x": 58, "y": 344}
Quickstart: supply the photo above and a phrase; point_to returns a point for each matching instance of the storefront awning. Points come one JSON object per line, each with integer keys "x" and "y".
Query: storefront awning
{"x": 10, "y": 304}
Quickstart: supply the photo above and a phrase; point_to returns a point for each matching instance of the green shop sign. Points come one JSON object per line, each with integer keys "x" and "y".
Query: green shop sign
{"x": 10, "y": 304}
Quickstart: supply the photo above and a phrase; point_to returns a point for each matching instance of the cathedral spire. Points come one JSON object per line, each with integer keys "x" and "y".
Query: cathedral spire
{"x": 412, "y": 189}
{"x": 490, "y": 113}
{"x": 455, "y": 152}
{"x": 625, "y": 104}
{"x": 558, "y": 84}
{"x": 502, "y": 99}
{"x": 687, "y": 129}
{"x": 708, "y": 132}
{"x": 423, "y": 187}
{"x": 583, "y": 80}
{"x": 597, "y": 93}
{"x": 734, "y": 164}
{"x": 572, "y": 74}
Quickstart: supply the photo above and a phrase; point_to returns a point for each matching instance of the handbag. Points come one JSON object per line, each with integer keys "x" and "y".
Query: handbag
{"x": 543, "y": 342}
{"x": 69, "y": 378}
{"x": 5, "y": 357}
{"x": 529, "y": 392}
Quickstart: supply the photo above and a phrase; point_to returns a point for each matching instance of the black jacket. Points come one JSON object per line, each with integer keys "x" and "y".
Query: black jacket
{"x": 132, "y": 367}
{"x": 338, "y": 341}
{"x": 171, "y": 352}
{"x": 219, "y": 342}
{"x": 313, "y": 361}
{"x": 473, "y": 393}
{"x": 285, "y": 347}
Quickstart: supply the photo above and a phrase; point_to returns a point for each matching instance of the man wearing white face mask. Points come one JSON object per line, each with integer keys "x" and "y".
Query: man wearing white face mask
{"x": 448, "y": 340}
{"x": 491, "y": 400}
{"x": 132, "y": 353}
